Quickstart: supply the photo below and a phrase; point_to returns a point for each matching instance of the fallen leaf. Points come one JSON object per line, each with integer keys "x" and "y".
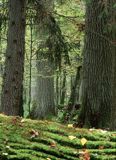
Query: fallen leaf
{"x": 71, "y": 137}
{"x": 53, "y": 144}
{"x": 75, "y": 152}
{"x": 101, "y": 147}
{"x": 70, "y": 125}
{"x": 84, "y": 155}
{"x": 5, "y": 154}
{"x": 34, "y": 133}
{"x": 23, "y": 120}
{"x": 83, "y": 141}
{"x": 8, "y": 147}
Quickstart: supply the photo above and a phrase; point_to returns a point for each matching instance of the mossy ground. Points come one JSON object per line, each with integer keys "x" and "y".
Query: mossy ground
{"x": 25, "y": 139}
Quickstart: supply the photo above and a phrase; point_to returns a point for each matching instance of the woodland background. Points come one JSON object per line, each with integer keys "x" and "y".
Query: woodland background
{"x": 58, "y": 61}
{"x": 57, "y": 67}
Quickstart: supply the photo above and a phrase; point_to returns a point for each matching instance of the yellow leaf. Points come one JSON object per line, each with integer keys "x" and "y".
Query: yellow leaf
{"x": 70, "y": 125}
{"x": 48, "y": 159}
{"x": 23, "y": 120}
{"x": 71, "y": 137}
{"x": 83, "y": 141}
{"x": 53, "y": 144}
{"x": 75, "y": 152}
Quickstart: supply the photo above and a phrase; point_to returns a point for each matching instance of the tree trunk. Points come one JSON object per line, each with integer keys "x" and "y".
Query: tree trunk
{"x": 113, "y": 109}
{"x": 57, "y": 88}
{"x": 63, "y": 94}
{"x": 96, "y": 98}
{"x": 45, "y": 106}
{"x": 73, "y": 95}
{"x": 30, "y": 64}
{"x": 12, "y": 92}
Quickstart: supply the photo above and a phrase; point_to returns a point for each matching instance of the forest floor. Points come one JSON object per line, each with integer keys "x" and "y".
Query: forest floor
{"x": 25, "y": 139}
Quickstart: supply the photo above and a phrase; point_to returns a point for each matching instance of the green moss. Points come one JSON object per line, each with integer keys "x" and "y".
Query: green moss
{"x": 16, "y": 141}
{"x": 103, "y": 157}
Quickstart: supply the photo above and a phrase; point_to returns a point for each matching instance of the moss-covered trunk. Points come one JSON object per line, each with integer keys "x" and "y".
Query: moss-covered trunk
{"x": 33, "y": 140}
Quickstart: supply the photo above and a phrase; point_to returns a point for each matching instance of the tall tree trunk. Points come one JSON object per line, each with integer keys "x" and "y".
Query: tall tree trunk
{"x": 30, "y": 64}
{"x": 12, "y": 92}
{"x": 113, "y": 23}
{"x": 96, "y": 98}
{"x": 45, "y": 89}
{"x": 45, "y": 106}
{"x": 113, "y": 109}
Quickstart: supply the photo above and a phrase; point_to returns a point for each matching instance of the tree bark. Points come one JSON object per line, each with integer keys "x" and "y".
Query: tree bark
{"x": 73, "y": 95}
{"x": 57, "y": 88}
{"x": 113, "y": 109}
{"x": 97, "y": 67}
{"x": 63, "y": 94}
{"x": 12, "y": 92}
{"x": 113, "y": 38}
{"x": 45, "y": 107}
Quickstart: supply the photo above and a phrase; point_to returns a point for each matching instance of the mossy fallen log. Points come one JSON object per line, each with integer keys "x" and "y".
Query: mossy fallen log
{"x": 25, "y": 139}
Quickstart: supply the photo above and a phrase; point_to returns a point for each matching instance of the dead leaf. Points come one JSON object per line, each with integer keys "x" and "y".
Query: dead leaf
{"x": 84, "y": 155}
{"x": 83, "y": 141}
{"x": 23, "y": 120}
{"x": 8, "y": 147}
{"x": 75, "y": 152}
{"x": 5, "y": 154}
{"x": 101, "y": 147}
{"x": 70, "y": 125}
{"x": 34, "y": 133}
{"x": 53, "y": 144}
{"x": 71, "y": 137}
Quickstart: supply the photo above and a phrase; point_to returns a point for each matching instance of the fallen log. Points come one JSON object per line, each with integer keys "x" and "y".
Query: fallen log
{"x": 25, "y": 139}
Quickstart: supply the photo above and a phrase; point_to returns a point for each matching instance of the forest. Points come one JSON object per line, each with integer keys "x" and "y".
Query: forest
{"x": 57, "y": 80}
